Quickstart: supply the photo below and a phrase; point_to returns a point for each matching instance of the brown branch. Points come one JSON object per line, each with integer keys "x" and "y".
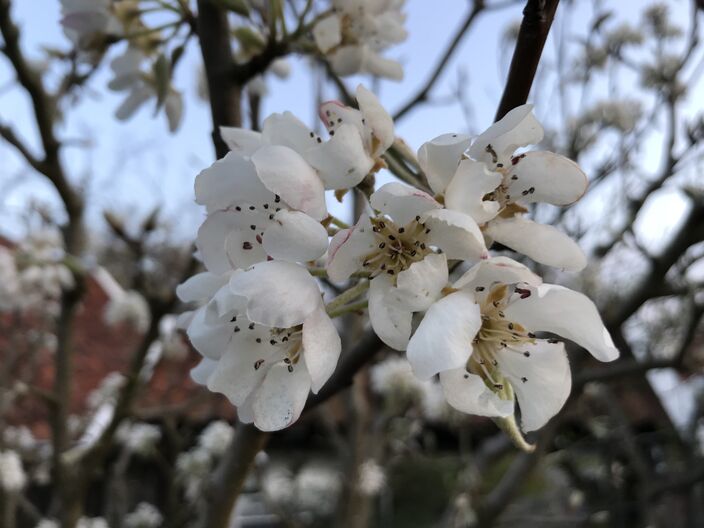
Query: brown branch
{"x": 422, "y": 94}
{"x": 537, "y": 19}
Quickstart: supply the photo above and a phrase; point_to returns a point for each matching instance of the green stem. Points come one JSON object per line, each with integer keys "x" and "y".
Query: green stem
{"x": 349, "y": 308}
{"x": 322, "y": 272}
{"x": 347, "y": 296}
{"x": 339, "y": 223}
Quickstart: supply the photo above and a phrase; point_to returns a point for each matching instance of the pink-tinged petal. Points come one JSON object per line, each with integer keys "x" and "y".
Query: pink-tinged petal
{"x": 230, "y": 180}
{"x": 421, "y": 284}
{"x": 402, "y": 203}
{"x": 295, "y": 236}
{"x": 200, "y": 286}
{"x": 281, "y": 398}
{"x": 285, "y": 173}
{"x": 466, "y": 191}
{"x": 567, "y": 313}
{"x": 440, "y": 157}
{"x": 546, "y": 177}
{"x": 455, "y": 233}
{"x": 334, "y": 114}
{"x": 543, "y": 243}
{"x": 518, "y": 128}
{"x": 327, "y": 33}
{"x": 376, "y": 119}
{"x": 348, "y": 248}
{"x": 321, "y": 347}
{"x": 443, "y": 340}
{"x": 279, "y": 294}
{"x": 342, "y": 161}
{"x": 240, "y": 140}
{"x": 468, "y": 393}
{"x": 541, "y": 379}
{"x": 391, "y": 322}
{"x": 288, "y": 131}
{"x": 480, "y": 277}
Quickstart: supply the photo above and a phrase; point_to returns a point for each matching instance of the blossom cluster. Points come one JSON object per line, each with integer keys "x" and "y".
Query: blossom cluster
{"x": 265, "y": 334}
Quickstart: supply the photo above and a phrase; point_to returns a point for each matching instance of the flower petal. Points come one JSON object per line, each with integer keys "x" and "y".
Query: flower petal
{"x": 210, "y": 340}
{"x": 295, "y": 236}
{"x": 546, "y": 177}
{"x": 348, "y": 248}
{"x": 288, "y": 131}
{"x": 236, "y": 375}
{"x": 327, "y": 33}
{"x": 543, "y": 243}
{"x": 518, "y": 128}
{"x": 321, "y": 347}
{"x": 402, "y": 202}
{"x": 481, "y": 276}
{"x": 202, "y": 371}
{"x": 211, "y": 238}
{"x": 342, "y": 161}
{"x": 285, "y": 173}
{"x": 281, "y": 398}
{"x": 440, "y": 157}
{"x": 348, "y": 60}
{"x": 230, "y": 180}
{"x": 443, "y": 340}
{"x": 567, "y": 313}
{"x": 391, "y": 322}
{"x": 200, "y": 286}
{"x": 466, "y": 191}
{"x": 455, "y": 233}
{"x": 376, "y": 119}
{"x": 243, "y": 248}
{"x": 420, "y": 285}
{"x": 279, "y": 294}
{"x": 467, "y": 393}
{"x": 240, "y": 140}
{"x": 541, "y": 380}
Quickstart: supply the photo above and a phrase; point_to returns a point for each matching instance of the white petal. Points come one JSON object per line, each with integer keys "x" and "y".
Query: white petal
{"x": 541, "y": 380}
{"x": 289, "y": 131}
{"x": 567, "y": 313}
{"x": 468, "y": 393}
{"x": 327, "y": 33}
{"x": 379, "y": 66}
{"x": 200, "y": 286}
{"x": 440, "y": 157}
{"x": 221, "y": 239}
{"x": 286, "y": 173}
{"x": 466, "y": 191}
{"x": 421, "y": 284}
{"x": 240, "y": 140}
{"x": 230, "y": 180}
{"x": 455, "y": 233}
{"x": 376, "y": 119}
{"x": 295, "y": 236}
{"x": 202, "y": 371}
{"x": 342, "y": 161}
{"x": 546, "y": 177}
{"x": 348, "y": 60}
{"x": 243, "y": 249}
{"x": 402, "y": 202}
{"x": 134, "y": 100}
{"x": 210, "y": 340}
{"x": 391, "y": 322}
{"x": 279, "y": 294}
{"x": 518, "y": 128}
{"x": 543, "y": 243}
{"x": 443, "y": 340}
{"x": 348, "y": 248}
{"x": 173, "y": 106}
{"x": 496, "y": 269}
{"x": 281, "y": 398}
{"x": 321, "y": 347}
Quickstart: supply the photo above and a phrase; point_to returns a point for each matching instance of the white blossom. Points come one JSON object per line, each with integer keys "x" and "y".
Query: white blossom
{"x": 265, "y": 338}
{"x": 216, "y": 437}
{"x": 92, "y": 522}
{"x": 355, "y": 34}
{"x": 47, "y": 523}
{"x": 318, "y": 488}
{"x": 131, "y": 308}
{"x": 139, "y": 438}
{"x": 87, "y": 23}
{"x": 405, "y": 247}
{"x": 495, "y": 186}
{"x": 141, "y": 87}
{"x": 480, "y": 339}
{"x": 372, "y": 478}
{"x": 144, "y": 516}
{"x": 12, "y": 475}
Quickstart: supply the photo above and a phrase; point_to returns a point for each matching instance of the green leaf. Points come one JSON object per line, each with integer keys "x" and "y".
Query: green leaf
{"x": 250, "y": 40}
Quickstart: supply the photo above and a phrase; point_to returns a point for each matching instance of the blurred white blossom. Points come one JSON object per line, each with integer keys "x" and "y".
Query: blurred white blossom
{"x": 144, "y": 516}
{"x": 12, "y": 475}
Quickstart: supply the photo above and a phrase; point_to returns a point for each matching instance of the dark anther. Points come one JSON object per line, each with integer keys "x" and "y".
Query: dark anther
{"x": 253, "y": 227}
{"x": 238, "y": 208}
{"x": 246, "y": 245}
{"x": 524, "y": 379}
{"x": 510, "y": 326}
{"x": 417, "y": 218}
{"x": 514, "y": 177}
{"x": 523, "y": 293}
{"x": 479, "y": 288}
{"x": 531, "y": 335}
{"x": 237, "y": 329}
{"x": 382, "y": 245}
{"x": 259, "y": 340}
{"x": 390, "y": 272}
{"x": 277, "y": 198}
{"x": 290, "y": 368}
{"x": 391, "y": 237}
{"x": 251, "y": 326}
{"x": 526, "y": 354}
{"x": 252, "y": 208}
{"x": 401, "y": 229}
{"x": 258, "y": 363}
